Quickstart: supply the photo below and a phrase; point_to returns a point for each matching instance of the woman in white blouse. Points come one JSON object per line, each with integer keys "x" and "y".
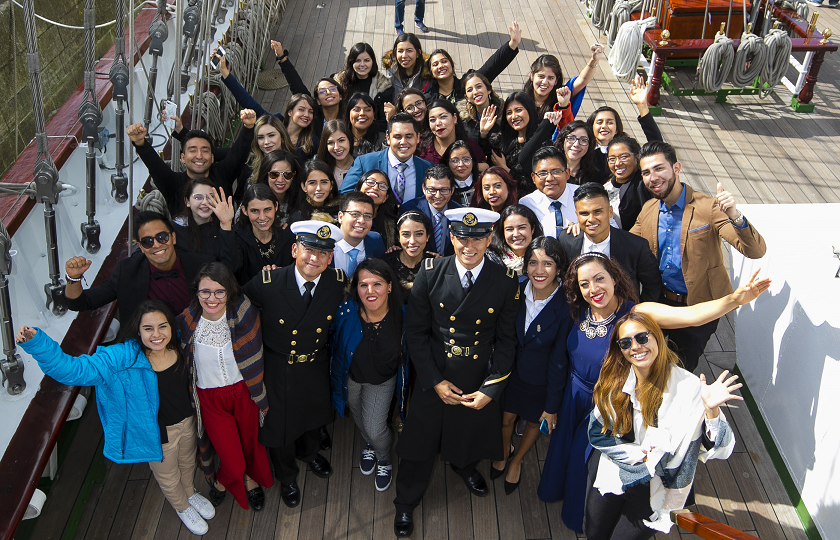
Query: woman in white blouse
{"x": 222, "y": 340}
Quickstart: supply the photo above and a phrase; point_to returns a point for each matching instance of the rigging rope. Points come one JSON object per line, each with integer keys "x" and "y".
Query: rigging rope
{"x": 778, "y": 57}
{"x": 619, "y": 15}
{"x": 716, "y": 63}
{"x": 624, "y": 55}
{"x": 750, "y": 59}
{"x": 799, "y": 6}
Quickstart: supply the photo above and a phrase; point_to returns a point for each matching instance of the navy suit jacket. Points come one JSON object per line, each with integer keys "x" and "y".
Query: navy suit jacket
{"x": 374, "y": 248}
{"x": 634, "y": 256}
{"x": 541, "y": 356}
{"x": 422, "y": 205}
{"x": 379, "y": 161}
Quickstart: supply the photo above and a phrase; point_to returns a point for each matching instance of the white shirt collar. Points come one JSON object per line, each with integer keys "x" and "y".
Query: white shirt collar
{"x": 434, "y": 212}
{"x": 393, "y": 159}
{"x": 600, "y": 247}
{"x": 345, "y": 247}
{"x": 464, "y": 183}
{"x": 300, "y": 280}
{"x": 566, "y": 199}
{"x": 462, "y": 271}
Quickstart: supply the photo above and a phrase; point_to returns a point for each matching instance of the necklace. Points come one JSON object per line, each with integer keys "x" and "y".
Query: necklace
{"x": 592, "y": 328}
{"x": 269, "y": 251}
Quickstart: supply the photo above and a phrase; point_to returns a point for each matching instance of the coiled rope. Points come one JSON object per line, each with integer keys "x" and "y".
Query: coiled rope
{"x": 778, "y": 57}
{"x": 624, "y": 54}
{"x": 799, "y": 6}
{"x": 619, "y": 15}
{"x": 716, "y": 64}
{"x": 601, "y": 12}
{"x": 154, "y": 202}
{"x": 750, "y": 59}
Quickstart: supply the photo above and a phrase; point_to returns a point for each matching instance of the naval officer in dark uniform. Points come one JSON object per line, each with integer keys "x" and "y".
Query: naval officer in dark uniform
{"x": 297, "y": 305}
{"x": 461, "y": 335}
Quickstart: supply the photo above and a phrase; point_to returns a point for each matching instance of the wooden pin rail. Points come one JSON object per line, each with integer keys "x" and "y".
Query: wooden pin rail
{"x": 707, "y": 528}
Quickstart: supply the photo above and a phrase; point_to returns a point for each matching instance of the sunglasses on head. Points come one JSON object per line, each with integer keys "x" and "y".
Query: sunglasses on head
{"x": 641, "y": 338}
{"x": 149, "y": 241}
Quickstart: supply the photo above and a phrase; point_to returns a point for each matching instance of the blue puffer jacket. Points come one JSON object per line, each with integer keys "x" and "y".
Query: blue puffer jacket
{"x": 126, "y": 393}
{"x": 345, "y": 336}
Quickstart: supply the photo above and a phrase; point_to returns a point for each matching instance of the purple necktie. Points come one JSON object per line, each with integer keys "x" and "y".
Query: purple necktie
{"x": 401, "y": 167}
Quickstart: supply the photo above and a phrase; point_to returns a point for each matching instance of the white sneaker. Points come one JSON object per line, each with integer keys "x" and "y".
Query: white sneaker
{"x": 193, "y": 521}
{"x": 202, "y": 506}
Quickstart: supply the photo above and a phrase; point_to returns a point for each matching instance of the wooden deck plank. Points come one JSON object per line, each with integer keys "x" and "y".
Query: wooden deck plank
{"x": 343, "y": 466}
{"x": 265, "y": 522}
{"x": 289, "y": 519}
{"x": 766, "y": 522}
{"x": 109, "y": 500}
{"x": 129, "y": 508}
{"x": 146, "y": 524}
{"x": 360, "y": 524}
{"x": 458, "y": 506}
{"x": 485, "y": 523}
{"x": 436, "y": 506}
{"x": 534, "y": 516}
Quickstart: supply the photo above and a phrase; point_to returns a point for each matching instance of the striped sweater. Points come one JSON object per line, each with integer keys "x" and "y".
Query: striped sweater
{"x": 247, "y": 343}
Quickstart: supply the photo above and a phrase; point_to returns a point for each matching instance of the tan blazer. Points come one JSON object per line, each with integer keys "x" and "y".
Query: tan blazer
{"x": 703, "y": 225}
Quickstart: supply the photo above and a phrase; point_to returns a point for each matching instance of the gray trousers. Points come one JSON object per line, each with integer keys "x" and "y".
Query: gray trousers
{"x": 369, "y": 404}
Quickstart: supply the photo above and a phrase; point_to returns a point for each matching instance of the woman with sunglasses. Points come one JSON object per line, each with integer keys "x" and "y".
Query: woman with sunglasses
{"x": 143, "y": 400}
{"x": 336, "y": 148}
{"x": 279, "y": 171}
{"x": 599, "y": 292}
{"x": 258, "y": 240}
{"x": 650, "y": 418}
{"x": 197, "y": 227}
{"x": 319, "y": 194}
{"x": 375, "y": 185}
{"x": 535, "y": 387}
{"x": 415, "y": 232}
{"x": 362, "y": 119}
{"x": 446, "y": 128}
{"x": 221, "y": 337}
{"x": 446, "y": 85}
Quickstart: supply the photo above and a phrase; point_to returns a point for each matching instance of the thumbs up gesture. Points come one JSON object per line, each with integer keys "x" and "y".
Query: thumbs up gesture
{"x": 726, "y": 202}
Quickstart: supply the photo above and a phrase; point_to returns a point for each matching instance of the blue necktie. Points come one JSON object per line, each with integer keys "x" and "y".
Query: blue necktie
{"x": 558, "y": 217}
{"x": 438, "y": 230}
{"x": 351, "y": 267}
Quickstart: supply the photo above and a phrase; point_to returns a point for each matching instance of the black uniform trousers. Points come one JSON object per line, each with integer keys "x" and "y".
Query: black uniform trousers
{"x": 689, "y": 343}
{"x": 284, "y": 458}
{"x": 615, "y": 517}
{"x": 413, "y": 478}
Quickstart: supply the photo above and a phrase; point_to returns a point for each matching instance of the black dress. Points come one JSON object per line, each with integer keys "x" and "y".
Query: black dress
{"x": 246, "y": 256}
{"x": 405, "y": 274}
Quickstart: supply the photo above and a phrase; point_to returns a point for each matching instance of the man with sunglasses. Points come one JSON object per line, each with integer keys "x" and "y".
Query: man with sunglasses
{"x": 156, "y": 271}
{"x": 438, "y": 187}
{"x": 355, "y": 219}
{"x": 198, "y": 157}
{"x": 553, "y": 202}
{"x": 397, "y": 161}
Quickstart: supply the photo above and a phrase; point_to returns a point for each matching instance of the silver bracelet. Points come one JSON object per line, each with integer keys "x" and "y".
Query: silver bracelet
{"x": 71, "y": 280}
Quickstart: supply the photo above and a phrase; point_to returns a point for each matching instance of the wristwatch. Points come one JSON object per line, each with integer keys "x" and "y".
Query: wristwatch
{"x": 740, "y": 220}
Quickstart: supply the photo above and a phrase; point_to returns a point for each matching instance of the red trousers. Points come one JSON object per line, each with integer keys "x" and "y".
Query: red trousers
{"x": 232, "y": 421}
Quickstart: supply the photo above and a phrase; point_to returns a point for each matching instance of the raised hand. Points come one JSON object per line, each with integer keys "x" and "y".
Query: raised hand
{"x": 554, "y": 117}
{"x": 137, "y": 133}
{"x": 76, "y": 267}
{"x": 277, "y": 47}
{"x": 248, "y": 117}
{"x": 719, "y": 392}
{"x": 638, "y": 91}
{"x": 752, "y": 290}
{"x": 515, "y": 35}
{"x": 488, "y": 120}
{"x": 25, "y": 334}
{"x": 597, "y": 50}
{"x": 563, "y": 97}
{"x": 389, "y": 110}
{"x": 222, "y": 207}
{"x": 726, "y": 202}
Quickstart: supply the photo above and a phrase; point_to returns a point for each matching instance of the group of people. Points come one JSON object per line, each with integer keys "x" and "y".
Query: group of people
{"x": 410, "y": 246}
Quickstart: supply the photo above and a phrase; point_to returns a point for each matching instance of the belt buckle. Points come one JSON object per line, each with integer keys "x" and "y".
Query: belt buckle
{"x": 456, "y": 350}
{"x": 302, "y": 358}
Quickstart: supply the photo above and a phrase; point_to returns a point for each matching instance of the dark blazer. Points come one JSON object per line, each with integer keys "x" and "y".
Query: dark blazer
{"x": 241, "y": 253}
{"x": 422, "y": 205}
{"x": 379, "y": 161}
{"x": 632, "y": 253}
{"x": 129, "y": 284}
{"x": 480, "y": 323}
{"x": 298, "y": 388}
{"x": 541, "y": 353}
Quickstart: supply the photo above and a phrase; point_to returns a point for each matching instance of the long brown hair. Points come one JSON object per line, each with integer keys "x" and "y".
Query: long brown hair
{"x": 612, "y": 402}
{"x": 255, "y": 158}
{"x": 624, "y": 289}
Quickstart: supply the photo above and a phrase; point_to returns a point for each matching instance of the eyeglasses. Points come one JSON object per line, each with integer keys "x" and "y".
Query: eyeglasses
{"x": 356, "y": 215}
{"x": 205, "y": 294}
{"x": 148, "y": 242}
{"x": 274, "y": 175}
{"x": 200, "y": 197}
{"x": 553, "y": 172}
{"x": 612, "y": 160}
{"x": 571, "y": 139}
{"x": 381, "y": 186}
{"x": 465, "y": 161}
{"x": 434, "y": 191}
{"x": 419, "y": 104}
{"x": 641, "y": 338}
{"x": 329, "y": 89}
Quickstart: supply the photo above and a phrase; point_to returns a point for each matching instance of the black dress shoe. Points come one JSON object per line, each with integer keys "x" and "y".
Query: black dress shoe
{"x": 510, "y": 487}
{"x": 290, "y": 494}
{"x": 403, "y": 524}
{"x": 216, "y": 496}
{"x": 477, "y": 485}
{"x": 320, "y": 467}
{"x": 324, "y": 439}
{"x": 256, "y": 498}
{"x": 494, "y": 472}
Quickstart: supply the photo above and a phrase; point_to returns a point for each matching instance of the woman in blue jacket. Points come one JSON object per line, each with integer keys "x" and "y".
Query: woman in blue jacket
{"x": 535, "y": 389}
{"x": 368, "y": 361}
{"x": 144, "y": 405}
